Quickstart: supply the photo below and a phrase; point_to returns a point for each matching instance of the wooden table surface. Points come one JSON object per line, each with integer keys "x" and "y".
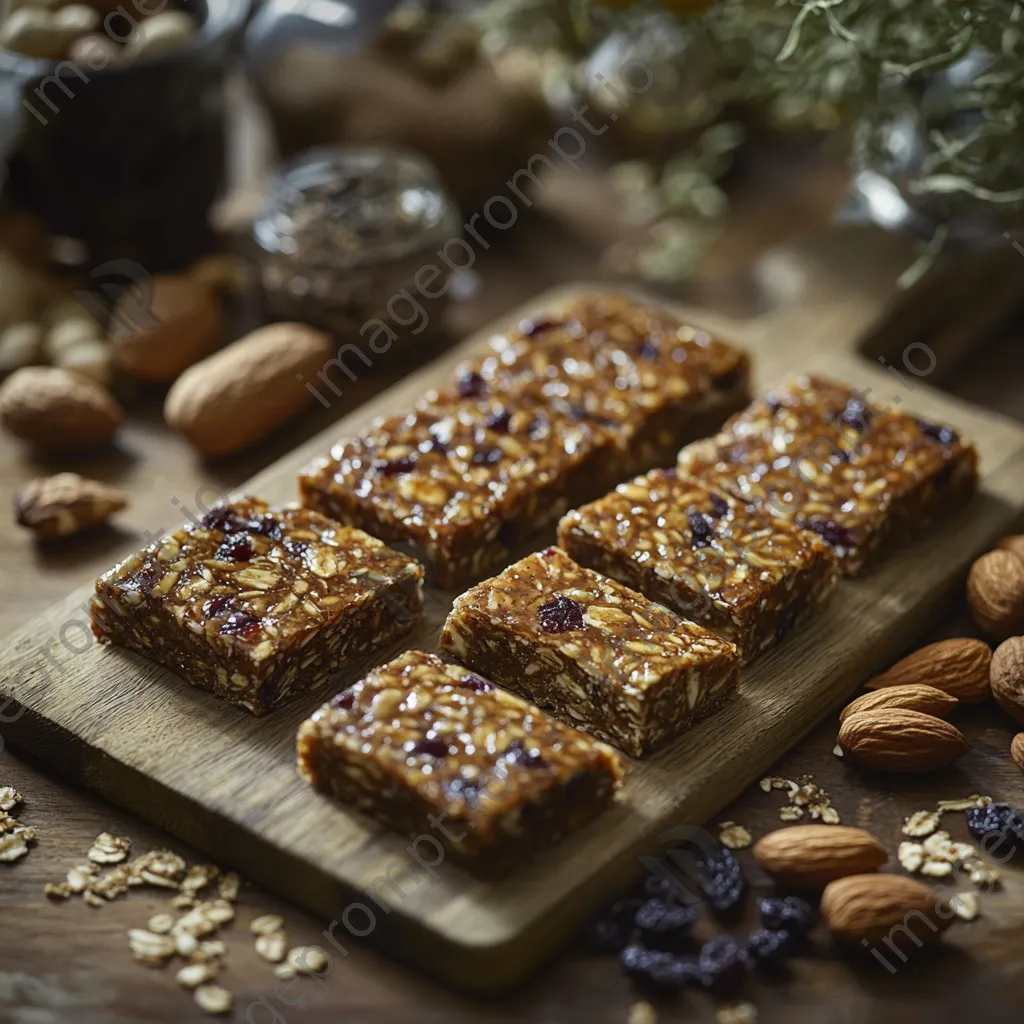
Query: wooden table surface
{"x": 68, "y": 962}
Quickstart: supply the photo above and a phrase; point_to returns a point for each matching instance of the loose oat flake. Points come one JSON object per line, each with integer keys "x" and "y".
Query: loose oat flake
{"x": 109, "y": 849}
{"x": 12, "y": 847}
{"x": 734, "y": 836}
{"x": 266, "y": 923}
{"x": 738, "y": 1013}
{"x": 921, "y": 823}
{"x": 150, "y": 948}
{"x": 642, "y": 1013}
{"x": 9, "y": 798}
{"x": 306, "y": 959}
{"x": 213, "y": 999}
{"x": 229, "y": 886}
{"x": 161, "y": 924}
{"x": 272, "y": 946}
{"x": 966, "y": 804}
{"x": 194, "y": 975}
{"x": 966, "y": 905}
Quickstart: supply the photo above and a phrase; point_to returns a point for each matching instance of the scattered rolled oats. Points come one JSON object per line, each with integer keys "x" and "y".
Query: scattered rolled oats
{"x": 13, "y": 847}
{"x": 80, "y": 876}
{"x": 112, "y": 884}
{"x": 9, "y": 798}
{"x": 213, "y": 999}
{"x": 109, "y": 849}
{"x": 642, "y": 1013}
{"x": 266, "y": 923}
{"x": 198, "y": 877}
{"x": 183, "y": 901}
{"x": 218, "y": 911}
{"x": 210, "y": 949}
{"x": 306, "y": 959}
{"x": 229, "y": 886}
{"x": 966, "y": 905}
{"x": 185, "y": 943}
{"x": 737, "y": 1013}
{"x": 91, "y": 899}
{"x": 150, "y": 948}
{"x": 734, "y": 836}
{"x": 791, "y": 813}
{"x": 158, "y": 867}
{"x": 58, "y": 891}
{"x": 272, "y": 946}
{"x": 921, "y": 823}
{"x": 161, "y": 924}
{"x": 194, "y": 975}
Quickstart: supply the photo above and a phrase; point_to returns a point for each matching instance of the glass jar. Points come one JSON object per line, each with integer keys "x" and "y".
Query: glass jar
{"x": 350, "y": 240}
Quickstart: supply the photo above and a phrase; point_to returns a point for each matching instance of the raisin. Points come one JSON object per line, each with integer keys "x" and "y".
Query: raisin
{"x": 612, "y": 930}
{"x": 944, "y": 475}
{"x": 429, "y": 747}
{"x": 466, "y": 788}
{"x": 560, "y": 615}
{"x": 579, "y": 413}
{"x": 770, "y": 949}
{"x": 235, "y": 547}
{"x": 344, "y": 700}
{"x": 652, "y": 969}
{"x": 773, "y": 405}
{"x": 241, "y": 624}
{"x": 702, "y": 527}
{"x": 666, "y": 887}
{"x": 223, "y": 520}
{"x": 943, "y": 435}
{"x": 216, "y": 606}
{"x": 719, "y": 506}
{"x": 499, "y": 421}
{"x": 266, "y": 526}
{"x": 471, "y": 385}
{"x": 295, "y": 547}
{"x": 830, "y": 532}
{"x": 516, "y": 753}
{"x": 1001, "y": 820}
{"x": 728, "y": 380}
{"x": 721, "y": 880}
{"x": 787, "y": 619}
{"x": 786, "y": 913}
{"x": 648, "y": 349}
{"x": 723, "y": 965}
{"x": 471, "y": 681}
{"x": 665, "y": 925}
{"x": 396, "y": 466}
{"x": 487, "y": 457}
{"x": 857, "y": 415}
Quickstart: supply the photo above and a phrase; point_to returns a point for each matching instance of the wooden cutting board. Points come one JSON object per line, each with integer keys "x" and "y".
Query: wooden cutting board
{"x": 226, "y": 782}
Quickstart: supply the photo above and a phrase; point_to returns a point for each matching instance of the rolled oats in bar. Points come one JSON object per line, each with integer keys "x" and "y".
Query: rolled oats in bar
{"x": 551, "y": 415}
{"x": 746, "y": 576}
{"x": 820, "y": 454}
{"x": 258, "y": 605}
{"x": 429, "y": 747}
{"x": 591, "y": 651}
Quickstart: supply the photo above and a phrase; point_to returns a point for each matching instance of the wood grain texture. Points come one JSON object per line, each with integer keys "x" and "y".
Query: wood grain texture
{"x": 226, "y": 782}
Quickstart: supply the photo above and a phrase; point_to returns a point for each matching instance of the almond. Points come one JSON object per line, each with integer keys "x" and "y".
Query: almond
{"x": 1014, "y": 544}
{"x": 814, "y": 855}
{"x": 1017, "y": 749}
{"x": 959, "y": 667}
{"x": 1008, "y": 677}
{"x": 57, "y": 410}
{"x": 157, "y": 336}
{"x": 872, "y": 908}
{"x": 995, "y": 592}
{"x": 897, "y": 740}
{"x": 245, "y": 391}
{"x": 913, "y": 697}
{"x": 65, "y": 504}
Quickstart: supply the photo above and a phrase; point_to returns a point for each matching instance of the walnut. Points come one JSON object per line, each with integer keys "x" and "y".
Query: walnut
{"x": 63, "y": 505}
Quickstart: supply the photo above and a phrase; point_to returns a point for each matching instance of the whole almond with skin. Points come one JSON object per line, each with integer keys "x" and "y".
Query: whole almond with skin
{"x": 1008, "y": 677}
{"x": 58, "y": 410}
{"x": 995, "y": 592}
{"x": 1017, "y": 749}
{"x": 897, "y": 740}
{"x": 959, "y": 667}
{"x": 1014, "y": 544}
{"x": 913, "y": 697}
{"x": 158, "y": 336}
{"x": 871, "y": 908}
{"x": 239, "y": 395}
{"x": 814, "y": 855}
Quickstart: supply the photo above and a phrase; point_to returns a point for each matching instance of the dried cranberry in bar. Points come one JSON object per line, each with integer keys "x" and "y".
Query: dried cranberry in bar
{"x": 421, "y": 741}
{"x": 591, "y": 651}
{"x": 744, "y": 575}
{"x": 258, "y": 605}
{"x": 821, "y": 455}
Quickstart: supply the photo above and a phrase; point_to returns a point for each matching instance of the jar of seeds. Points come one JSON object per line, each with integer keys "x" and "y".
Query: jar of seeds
{"x": 351, "y": 239}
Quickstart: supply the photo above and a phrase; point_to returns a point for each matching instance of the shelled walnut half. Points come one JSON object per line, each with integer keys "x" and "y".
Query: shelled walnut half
{"x": 63, "y": 505}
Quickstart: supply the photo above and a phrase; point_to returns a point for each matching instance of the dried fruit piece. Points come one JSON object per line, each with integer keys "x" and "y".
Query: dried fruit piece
{"x": 721, "y": 880}
{"x": 770, "y": 949}
{"x": 1007, "y": 677}
{"x": 813, "y": 855}
{"x": 723, "y": 964}
{"x": 929, "y": 700}
{"x": 870, "y": 908}
{"x": 897, "y": 740}
{"x": 786, "y": 913}
{"x": 997, "y": 824}
{"x": 560, "y": 615}
{"x": 665, "y": 925}
{"x": 63, "y": 505}
{"x": 613, "y": 930}
{"x": 995, "y": 593}
{"x": 959, "y": 667}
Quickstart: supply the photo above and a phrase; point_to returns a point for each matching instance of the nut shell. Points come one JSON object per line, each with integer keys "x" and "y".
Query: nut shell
{"x": 870, "y": 908}
{"x": 58, "y": 410}
{"x": 189, "y": 327}
{"x": 913, "y": 697}
{"x": 995, "y": 592}
{"x": 1008, "y": 677}
{"x": 959, "y": 667}
{"x": 814, "y": 855}
{"x": 897, "y": 740}
{"x": 239, "y": 395}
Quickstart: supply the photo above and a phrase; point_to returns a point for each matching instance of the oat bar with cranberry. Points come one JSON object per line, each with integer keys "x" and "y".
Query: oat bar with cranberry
{"x": 552, "y": 415}
{"x": 428, "y": 747}
{"x": 591, "y": 651}
{"x": 633, "y": 369}
{"x": 744, "y": 575}
{"x": 258, "y": 605}
{"x": 822, "y": 455}
{"x": 460, "y": 480}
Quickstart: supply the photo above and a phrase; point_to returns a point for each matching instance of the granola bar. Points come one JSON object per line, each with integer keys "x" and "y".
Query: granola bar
{"x": 429, "y": 747}
{"x": 820, "y": 454}
{"x": 746, "y": 576}
{"x": 591, "y": 651}
{"x": 550, "y": 416}
{"x": 258, "y": 605}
